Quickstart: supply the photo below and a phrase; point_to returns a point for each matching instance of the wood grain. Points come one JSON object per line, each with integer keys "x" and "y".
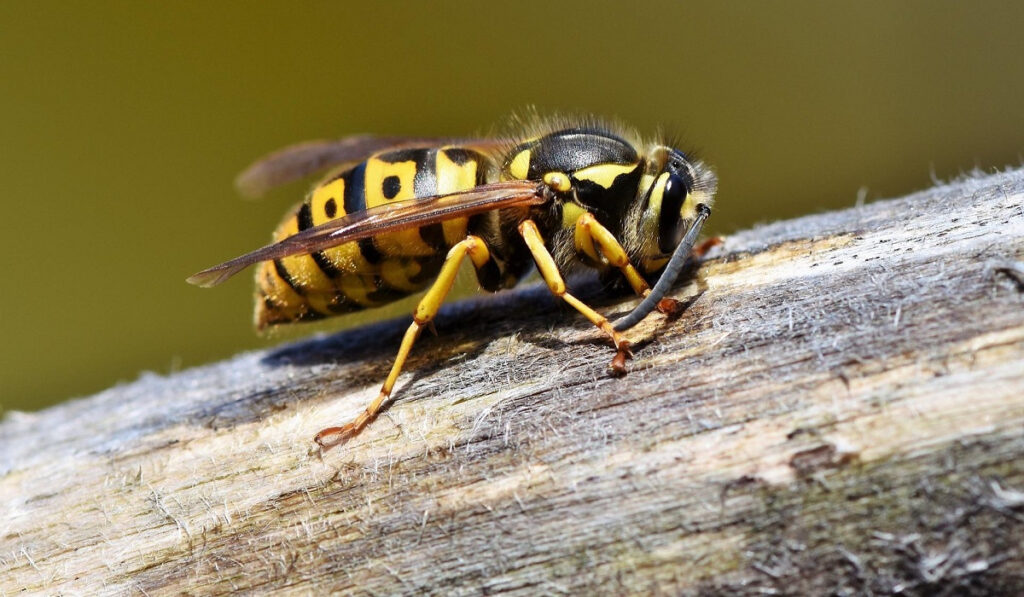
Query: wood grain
{"x": 841, "y": 409}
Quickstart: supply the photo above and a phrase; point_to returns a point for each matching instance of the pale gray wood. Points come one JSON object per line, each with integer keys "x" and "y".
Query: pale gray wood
{"x": 840, "y": 410}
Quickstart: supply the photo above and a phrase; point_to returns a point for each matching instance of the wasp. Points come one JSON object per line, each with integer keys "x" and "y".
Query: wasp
{"x": 398, "y": 215}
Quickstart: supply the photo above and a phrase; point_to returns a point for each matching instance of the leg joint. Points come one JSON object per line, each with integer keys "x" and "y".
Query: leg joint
{"x": 557, "y": 287}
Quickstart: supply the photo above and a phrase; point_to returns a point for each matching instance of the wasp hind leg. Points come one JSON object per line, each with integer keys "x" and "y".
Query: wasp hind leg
{"x": 423, "y": 316}
{"x": 549, "y": 271}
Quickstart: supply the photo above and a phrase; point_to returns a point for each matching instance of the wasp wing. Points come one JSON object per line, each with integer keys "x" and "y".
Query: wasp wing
{"x": 302, "y": 159}
{"x": 392, "y": 217}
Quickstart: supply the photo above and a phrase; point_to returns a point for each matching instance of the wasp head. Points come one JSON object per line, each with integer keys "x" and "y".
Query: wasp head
{"x": 676, "y": 186}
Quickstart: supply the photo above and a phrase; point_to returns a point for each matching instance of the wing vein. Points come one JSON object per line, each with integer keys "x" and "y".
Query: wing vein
{"x": 392, "y": 217}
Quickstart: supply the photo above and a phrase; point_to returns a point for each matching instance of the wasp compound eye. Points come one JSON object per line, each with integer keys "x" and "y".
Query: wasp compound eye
{"x": 671, "y": 225}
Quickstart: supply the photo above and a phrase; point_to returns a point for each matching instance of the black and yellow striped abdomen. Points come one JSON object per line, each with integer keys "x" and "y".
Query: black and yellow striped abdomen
{"x": 373, "y": 271}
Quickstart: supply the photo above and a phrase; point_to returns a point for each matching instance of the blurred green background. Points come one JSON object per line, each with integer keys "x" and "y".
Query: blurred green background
{"x": 124, "y": 124}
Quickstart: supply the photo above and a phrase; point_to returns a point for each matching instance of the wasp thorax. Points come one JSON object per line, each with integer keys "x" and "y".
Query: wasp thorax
{"x": 400, "y": 215}
{"x": 599, "y": 169}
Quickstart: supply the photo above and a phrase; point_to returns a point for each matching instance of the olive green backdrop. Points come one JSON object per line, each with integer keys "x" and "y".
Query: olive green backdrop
{"x": 123, "y": 125}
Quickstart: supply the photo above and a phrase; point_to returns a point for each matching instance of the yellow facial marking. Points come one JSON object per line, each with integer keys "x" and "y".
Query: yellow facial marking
{"x": 646, "y": 180}
{"x": 604, "y": 175}
{"x": 519, "y": 168}
{"x": 649, "y": 221}
{"x": 689, "y": 210}
{"x": 657, "y": 192}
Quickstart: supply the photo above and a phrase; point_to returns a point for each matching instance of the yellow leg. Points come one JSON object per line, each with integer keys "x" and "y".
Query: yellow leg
{"x": 591, "y": 237}
{"x": 424, "y": 314}
{"x": 589, "y": 231}
{"x": 549, "y": 271}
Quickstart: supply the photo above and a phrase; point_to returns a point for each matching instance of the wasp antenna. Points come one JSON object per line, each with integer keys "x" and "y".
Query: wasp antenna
{"x": 668, "y": 277}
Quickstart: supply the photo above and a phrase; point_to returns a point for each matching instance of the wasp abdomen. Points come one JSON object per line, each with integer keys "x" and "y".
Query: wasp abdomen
{"x": 556, "y": 194}
{"x": 372, "y": 271}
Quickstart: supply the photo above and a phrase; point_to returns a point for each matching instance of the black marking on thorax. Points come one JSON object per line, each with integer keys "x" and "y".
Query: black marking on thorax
{"x": 574, "y": 149}
{"x": 460, "y": 156}
{"x": 609, "y": 205}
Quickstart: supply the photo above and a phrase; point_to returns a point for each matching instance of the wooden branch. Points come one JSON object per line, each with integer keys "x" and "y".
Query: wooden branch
{"x": 841, "y": 409}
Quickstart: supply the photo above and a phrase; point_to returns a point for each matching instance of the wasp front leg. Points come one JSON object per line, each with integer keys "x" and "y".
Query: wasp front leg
{"x": 423, "y": 316}
{"x": 549, "y": 271}
{"x": 591, "y": 238}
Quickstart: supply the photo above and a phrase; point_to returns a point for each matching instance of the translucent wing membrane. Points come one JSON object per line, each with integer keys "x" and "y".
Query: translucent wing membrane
{"x": 392, "y": 217}
{"x": 300, "y": 160}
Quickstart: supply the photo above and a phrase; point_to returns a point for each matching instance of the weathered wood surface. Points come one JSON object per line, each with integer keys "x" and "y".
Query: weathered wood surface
{"x": 840, "y": 409}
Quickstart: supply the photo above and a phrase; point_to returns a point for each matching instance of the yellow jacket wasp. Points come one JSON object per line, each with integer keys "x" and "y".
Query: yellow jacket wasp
{"x": 397, "y": 215}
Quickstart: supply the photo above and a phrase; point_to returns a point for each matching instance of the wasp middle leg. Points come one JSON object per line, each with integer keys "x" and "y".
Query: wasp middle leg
{"x": 549, "y": 271}
{"x": 423, "y": 316}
